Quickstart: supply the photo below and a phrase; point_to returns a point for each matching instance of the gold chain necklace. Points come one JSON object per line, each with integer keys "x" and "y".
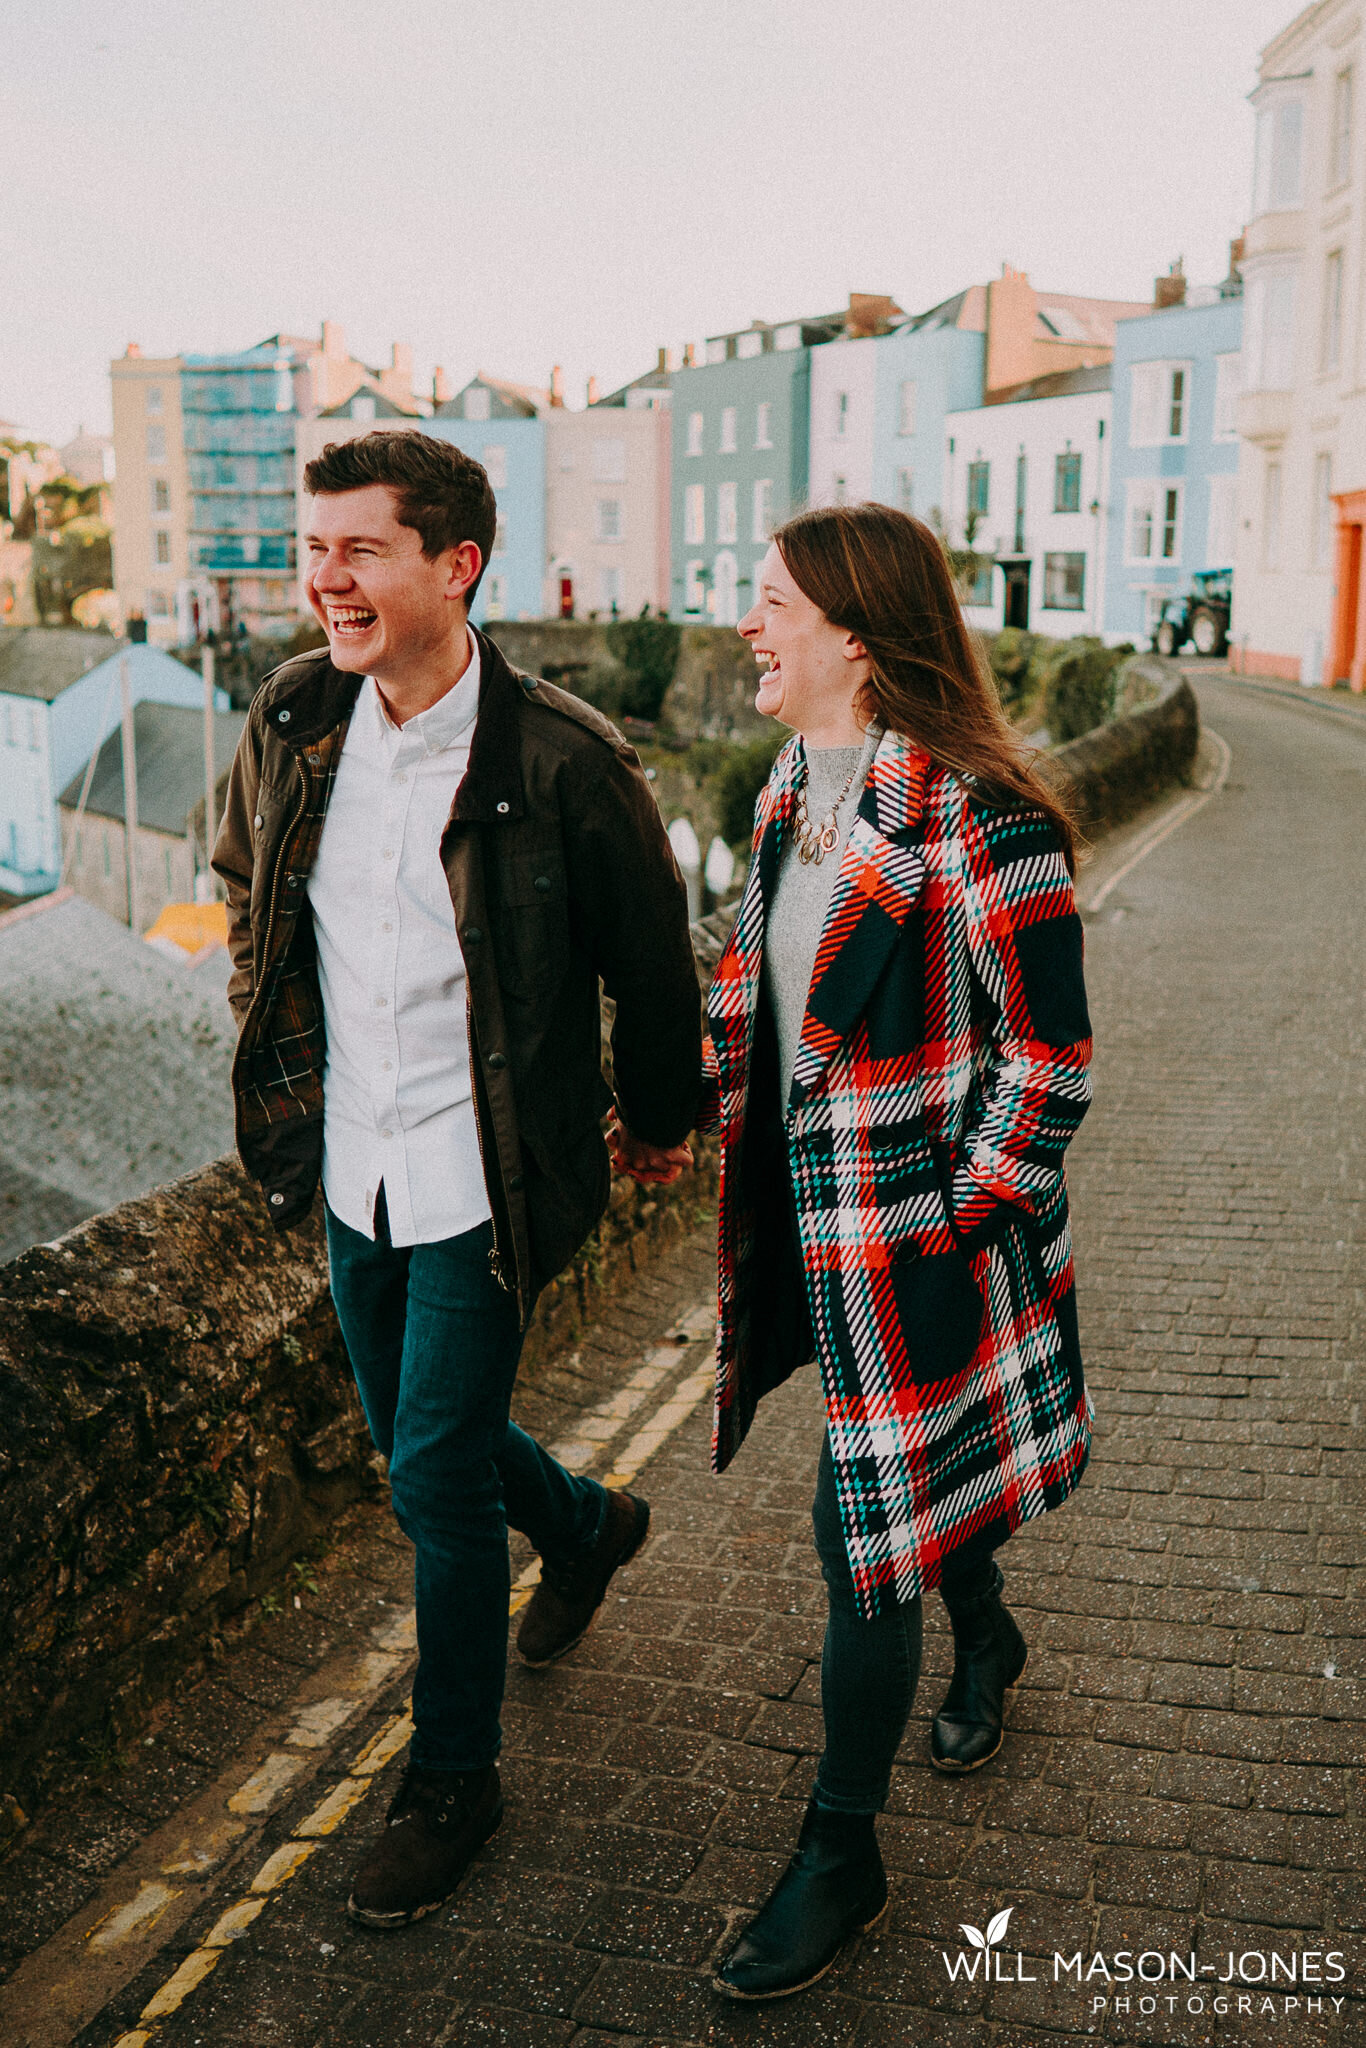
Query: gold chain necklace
{"x": 814, "y": 842}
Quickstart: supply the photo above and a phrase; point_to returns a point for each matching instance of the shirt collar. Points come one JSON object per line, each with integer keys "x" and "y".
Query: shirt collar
{"x": 442, "y": 723}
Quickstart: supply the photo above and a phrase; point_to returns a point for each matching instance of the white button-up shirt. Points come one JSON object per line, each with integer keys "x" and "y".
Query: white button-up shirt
{"x": 398, "y": 1109}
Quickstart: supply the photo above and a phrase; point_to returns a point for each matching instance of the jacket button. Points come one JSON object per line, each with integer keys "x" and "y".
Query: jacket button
{"x": 516, "y": 1183}
{"x": 258, "y": 821}
{"x": 277, "y": 1201}
{"x": 503, "y": 809}
{"x": 472, "y": 935}
{"x": 498, "y": 1060}
{"x": 284, "y": 718}
{"x": 543, "y": 883}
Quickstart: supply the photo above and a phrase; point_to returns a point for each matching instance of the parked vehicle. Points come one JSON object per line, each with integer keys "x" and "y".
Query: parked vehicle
{"x": 1200, "y": 615}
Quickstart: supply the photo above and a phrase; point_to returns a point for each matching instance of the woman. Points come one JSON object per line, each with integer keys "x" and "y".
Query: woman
{"x": 898, "y": 1058}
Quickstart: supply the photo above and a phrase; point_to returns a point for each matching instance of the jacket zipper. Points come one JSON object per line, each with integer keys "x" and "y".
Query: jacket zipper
{"x": 496, "y": 1265}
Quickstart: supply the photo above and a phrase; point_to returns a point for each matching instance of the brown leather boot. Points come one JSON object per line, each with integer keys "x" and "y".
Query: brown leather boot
{"x": 436, "y": 1823}
{"x": 561, "y": 1610}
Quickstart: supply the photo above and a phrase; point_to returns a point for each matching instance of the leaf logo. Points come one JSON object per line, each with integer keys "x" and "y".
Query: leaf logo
{"x": 996, "y": 1930}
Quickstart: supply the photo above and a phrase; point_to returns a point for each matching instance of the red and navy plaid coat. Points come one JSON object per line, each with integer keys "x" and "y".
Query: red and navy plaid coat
{"x": 916, "y": 1178}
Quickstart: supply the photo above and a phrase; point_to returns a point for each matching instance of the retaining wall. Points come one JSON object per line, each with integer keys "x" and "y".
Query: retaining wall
{"x": 1113, "y": 771}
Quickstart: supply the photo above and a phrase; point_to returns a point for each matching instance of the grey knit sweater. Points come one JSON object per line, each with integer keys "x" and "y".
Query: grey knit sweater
{"x": 801, "y": 899}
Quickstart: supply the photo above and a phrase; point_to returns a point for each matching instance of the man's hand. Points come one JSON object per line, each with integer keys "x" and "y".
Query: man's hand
{"x": 649, "y": 1165}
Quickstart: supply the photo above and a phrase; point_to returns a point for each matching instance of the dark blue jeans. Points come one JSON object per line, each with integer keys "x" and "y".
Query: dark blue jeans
{"x": 434, "y": 1343}
{"x": 870, "y": 1669}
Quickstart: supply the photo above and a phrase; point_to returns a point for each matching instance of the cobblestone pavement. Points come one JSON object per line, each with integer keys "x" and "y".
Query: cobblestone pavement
{"x": 1181, "y": 1770}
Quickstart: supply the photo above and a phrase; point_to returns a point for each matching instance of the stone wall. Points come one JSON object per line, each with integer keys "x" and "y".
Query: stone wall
{"x": 1113, "y": 771}
{"x": 712, "y": 692}
{"x": 178, "y": 1420}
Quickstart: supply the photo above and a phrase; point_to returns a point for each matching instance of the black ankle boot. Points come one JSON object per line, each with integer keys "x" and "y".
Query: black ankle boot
{"x": 989, "y": 1655}
{"x": 833, "y": 1888}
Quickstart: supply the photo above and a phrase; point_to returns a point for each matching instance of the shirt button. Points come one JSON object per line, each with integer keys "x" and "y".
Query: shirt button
{"x": 400, "y": 778}
{"x": 386, "y": 1066}
{"x": 386, "y": 1134}
{"x": 498, "y": 1060}
{"x": 543, "y": 883}
{"x": 386, "y": 926}
{"x": 381, "y": 1002}
{"x": 388, "y": 853}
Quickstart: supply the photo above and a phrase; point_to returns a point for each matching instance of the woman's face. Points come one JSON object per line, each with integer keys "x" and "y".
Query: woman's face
{"x": 814, "y": 667}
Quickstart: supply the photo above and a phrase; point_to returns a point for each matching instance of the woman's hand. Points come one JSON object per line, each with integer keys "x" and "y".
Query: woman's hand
{"x": 648, "y": 1165}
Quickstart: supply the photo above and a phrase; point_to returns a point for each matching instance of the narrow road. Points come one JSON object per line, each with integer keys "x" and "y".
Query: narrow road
{"x": 1182, "y": 1777}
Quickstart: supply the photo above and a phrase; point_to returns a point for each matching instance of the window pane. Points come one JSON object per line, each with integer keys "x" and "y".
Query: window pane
{"x": 1170, "y": 503}
{"x": 694, "y": 433}
{"x": 979, "y": 486}
{"x": 1176, "y": 411}
{"x": 763, "y": 425}
{"x": 906, "y": 411}
{"x": 694, "y": 514}
{"x": 726, "y": 512}
{"x": 1064, "y": 582}
{"x": 609, "y": 460}
{"x": 1285, "y": 157}
{"x": 905, "y": 490}
{"x": 763, "y": 509}
{"x": 728, "y": 430}
{"x": 495, "y": 461}
{"x": 1227, "y": 380}
{"x": 1067, "y": 483}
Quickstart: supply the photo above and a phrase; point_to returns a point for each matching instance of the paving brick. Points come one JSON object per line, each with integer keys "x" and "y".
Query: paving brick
{"x": 1147, "y": 1877}
{"x": 522, "y": 1975}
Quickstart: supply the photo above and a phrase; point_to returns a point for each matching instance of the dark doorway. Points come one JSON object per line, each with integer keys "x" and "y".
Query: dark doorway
{"x": 566, "y": 597}
{"x": 1017, "y": 593}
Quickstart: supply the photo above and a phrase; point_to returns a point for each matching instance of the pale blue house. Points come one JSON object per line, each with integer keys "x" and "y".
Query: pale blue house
{"x": 60, "y": 698}
{"x": 927, "y": 368}
{"x": 1173, "y": 482}
{"x": 502, "y": 426}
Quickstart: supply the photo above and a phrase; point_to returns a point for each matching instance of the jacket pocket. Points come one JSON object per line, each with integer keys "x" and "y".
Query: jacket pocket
{"x": 531, "y": 935}
{"x": 940, "y": 1312}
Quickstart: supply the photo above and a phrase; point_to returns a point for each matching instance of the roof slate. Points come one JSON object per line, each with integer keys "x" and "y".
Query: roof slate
{"x": 43, "y": 661}
{"x": 168, "y": 740}
{"x": 113, "y": 1068}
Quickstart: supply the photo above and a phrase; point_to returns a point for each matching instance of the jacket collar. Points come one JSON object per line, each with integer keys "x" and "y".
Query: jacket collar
{"x": 308, "y": 698}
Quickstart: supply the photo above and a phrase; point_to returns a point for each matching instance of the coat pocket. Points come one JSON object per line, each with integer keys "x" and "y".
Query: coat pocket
{"x": 940, "y": 1313}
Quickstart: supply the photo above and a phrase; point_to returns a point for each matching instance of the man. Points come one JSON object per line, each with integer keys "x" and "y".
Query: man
{"x": 430, "y": 860}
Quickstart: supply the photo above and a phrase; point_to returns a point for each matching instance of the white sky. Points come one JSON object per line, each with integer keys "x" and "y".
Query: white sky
{"x": 580, "y": 181}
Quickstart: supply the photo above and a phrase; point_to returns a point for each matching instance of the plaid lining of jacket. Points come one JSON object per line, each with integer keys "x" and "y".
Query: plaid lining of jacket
{"x": 279, "y": 1070}
{"x": 941, "y": 1071}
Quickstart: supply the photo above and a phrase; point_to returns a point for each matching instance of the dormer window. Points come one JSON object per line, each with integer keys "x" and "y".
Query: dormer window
{"x": 477, "y": 402}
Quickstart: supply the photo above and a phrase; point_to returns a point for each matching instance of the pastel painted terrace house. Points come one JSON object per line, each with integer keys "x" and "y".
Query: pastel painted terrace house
{"x": 607, "y": 499}
{"x": 503, "y": 426}
{"x": 1299, "y": 592}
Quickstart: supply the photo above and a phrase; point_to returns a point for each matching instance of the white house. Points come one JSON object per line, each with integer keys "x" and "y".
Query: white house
{"x": 60, "y": 698}
{"x": 1026, "y": 484}
{"x": 1299, "y": 596}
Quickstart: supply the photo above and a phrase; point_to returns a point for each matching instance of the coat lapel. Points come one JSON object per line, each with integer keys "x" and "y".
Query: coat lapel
{"x": 881, "y": 875}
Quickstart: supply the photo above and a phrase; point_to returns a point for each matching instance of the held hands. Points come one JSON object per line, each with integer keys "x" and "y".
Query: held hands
{"x": 649, "y": 1165}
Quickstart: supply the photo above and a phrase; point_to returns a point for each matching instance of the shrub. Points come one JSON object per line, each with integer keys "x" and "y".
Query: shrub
{"x": 1014, "y": 656}
{"x": 647, "y": 649}
{"x": 741, "y": 776}
{"x": 1079, "y": 688}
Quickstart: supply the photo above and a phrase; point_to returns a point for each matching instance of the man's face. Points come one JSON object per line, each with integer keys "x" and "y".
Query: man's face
{"x": 385, "y": 606}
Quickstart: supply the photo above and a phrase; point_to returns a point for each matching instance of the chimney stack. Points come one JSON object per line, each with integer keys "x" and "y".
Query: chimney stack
{"x": 441, "y": 386}
{"x": 661, "y": 359}
{"x": 334, "y": 340}
{"x": 1171, "y": 289}
{"x": 557, "y": 387}
{"x": 592, "y": 391}
{"x": 134, "y": 349}
{"x": 401, "y": 358}
{"x": 690, "y": 355}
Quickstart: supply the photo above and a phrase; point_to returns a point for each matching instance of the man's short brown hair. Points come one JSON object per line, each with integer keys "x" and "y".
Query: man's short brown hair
{"x": 442, "y": 493}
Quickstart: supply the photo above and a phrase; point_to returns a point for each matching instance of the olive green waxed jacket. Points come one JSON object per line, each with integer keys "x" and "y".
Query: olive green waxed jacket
{"x": 560, "y": 874}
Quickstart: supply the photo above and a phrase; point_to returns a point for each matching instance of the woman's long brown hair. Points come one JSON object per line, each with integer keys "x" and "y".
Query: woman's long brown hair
{"x": 884, "y": 577}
